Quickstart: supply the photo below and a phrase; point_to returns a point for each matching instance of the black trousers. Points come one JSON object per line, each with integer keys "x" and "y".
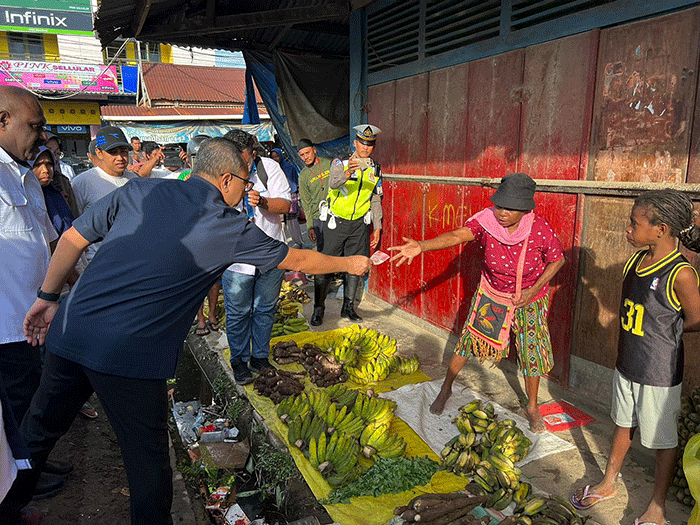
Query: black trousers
{"x": 347, "y": 238}
{"x": 138, "y": 412}
{"x": 20, "y": 366}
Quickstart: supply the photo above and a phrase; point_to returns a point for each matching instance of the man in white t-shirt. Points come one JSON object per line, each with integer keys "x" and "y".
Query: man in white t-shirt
{"x": 109, "y": 173}
{"x": 250, "y": 297}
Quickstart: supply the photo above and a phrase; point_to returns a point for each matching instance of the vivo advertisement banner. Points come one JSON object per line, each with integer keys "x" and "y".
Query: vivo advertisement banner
{"x": 48, "y": 16}
{"x": 182, "y": 132}
{"x": 59, "y": 76}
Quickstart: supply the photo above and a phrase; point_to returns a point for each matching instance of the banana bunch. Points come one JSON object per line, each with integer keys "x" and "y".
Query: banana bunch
{"x": 302, "y": 430}
{"x": 345, "y": 352}
{"x": 335, "y": 457}
{"x": 293, "y": 292}
{"x": 342, "y": 395}
{"x": 374, "y": 409}
{"x": 342, "y": 419}
{"x": 376, "y": 439}
{"x": 369, "y": 356}
{"x": 289, "y": 318}
{"x": 486, "y": 449}
{"x": 319, "y": 400}
{"x": 370, "y": 372}
{"x": 293, "y": 406}
{"x": 407, "y": 366}
{"x": 544, "y": 510}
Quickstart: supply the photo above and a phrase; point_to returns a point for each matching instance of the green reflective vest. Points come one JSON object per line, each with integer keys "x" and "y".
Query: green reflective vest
{"x": 352, "y": 200}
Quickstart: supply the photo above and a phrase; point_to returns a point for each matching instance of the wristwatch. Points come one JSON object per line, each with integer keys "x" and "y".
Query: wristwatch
{"x": 52, "y": 297}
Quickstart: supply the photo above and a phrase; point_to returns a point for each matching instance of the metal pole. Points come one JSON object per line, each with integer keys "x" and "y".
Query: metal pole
{"x": 583, "y": 187}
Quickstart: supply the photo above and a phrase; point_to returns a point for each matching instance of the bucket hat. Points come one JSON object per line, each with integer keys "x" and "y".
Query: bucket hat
{"x": 515, "y": 192}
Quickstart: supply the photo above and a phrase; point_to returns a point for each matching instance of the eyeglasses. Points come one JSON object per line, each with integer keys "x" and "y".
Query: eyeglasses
{"x": 248, "y": 184}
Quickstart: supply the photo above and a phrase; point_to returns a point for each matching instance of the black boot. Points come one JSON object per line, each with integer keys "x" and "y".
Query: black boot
{"x": 348, "y": 310}
{"x": 321, "y": 284}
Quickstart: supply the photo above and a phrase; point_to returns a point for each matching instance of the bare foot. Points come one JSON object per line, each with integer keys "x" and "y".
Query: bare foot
{"x": 439, "y": 404}
{"x": 537, "y": 424}
{"x": 653, "y": 514}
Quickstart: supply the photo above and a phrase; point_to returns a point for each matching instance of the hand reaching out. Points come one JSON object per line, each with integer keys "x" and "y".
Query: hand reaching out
{"x": 407, "y": 251}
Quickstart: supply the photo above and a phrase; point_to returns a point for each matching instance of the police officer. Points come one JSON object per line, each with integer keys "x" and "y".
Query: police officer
{"x": 354, "y": 201}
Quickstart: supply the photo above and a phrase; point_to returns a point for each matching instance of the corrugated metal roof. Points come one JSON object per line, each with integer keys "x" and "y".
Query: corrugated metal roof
{"x": 195, "y": 84}
{"x": 305, "y": 26}
{"x": 142, "y": 111}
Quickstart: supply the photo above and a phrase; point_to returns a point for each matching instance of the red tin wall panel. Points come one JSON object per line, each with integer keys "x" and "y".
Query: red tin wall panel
{"x": 557, "y": 104}
{"x": 441, "y": 270}
{"x": 406, "y": 281}
{"x": 446, "y": 153}
{"x": 493, "y": 115}
{"x": 647, "y": 72}
{"x": 411, "y": 104}
{"x": 381, "y": 114}
{"x": 447, "y": 121}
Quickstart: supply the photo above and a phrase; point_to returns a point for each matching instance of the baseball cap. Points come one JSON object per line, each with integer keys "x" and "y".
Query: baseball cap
{"x": 111, "y": 137}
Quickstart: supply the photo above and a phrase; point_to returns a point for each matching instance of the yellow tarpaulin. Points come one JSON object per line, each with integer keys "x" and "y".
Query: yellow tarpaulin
{"x": 364, "y": 510}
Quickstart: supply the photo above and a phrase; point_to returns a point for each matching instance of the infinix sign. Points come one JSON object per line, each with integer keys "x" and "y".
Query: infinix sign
{"x": 71, "y": 19}
{"x": 30, "y": 17}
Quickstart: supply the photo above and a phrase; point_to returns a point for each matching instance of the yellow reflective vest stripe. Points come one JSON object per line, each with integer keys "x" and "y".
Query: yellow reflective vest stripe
{"x": 352, "y": 200}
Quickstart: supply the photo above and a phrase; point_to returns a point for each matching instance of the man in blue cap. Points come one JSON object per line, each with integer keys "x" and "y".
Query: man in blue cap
{"x": 353, "y": 203}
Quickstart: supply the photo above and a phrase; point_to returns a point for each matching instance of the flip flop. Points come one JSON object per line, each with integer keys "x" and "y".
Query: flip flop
{"x": 597, "y": 498}
{"x": 202, "y": 330}
{"x": 214, "y": 326}
{"x": 637, "y": 522}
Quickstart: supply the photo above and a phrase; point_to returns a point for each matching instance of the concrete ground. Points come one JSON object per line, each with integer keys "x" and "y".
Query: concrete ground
{"x": 559, "y": 473}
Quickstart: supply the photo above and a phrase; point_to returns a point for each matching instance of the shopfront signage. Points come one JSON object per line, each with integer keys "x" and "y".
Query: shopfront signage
{"x": 71, "y": 113}
{"x": 71, "y": 129}
{"x": 59, "y": 76}
{"x": 51, "y": 16}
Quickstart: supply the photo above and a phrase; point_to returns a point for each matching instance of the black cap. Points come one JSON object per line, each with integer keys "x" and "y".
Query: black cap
{"x": 110, "y": 137}
{"x": 515, "y": 192}
{"x": 304, "y": 143}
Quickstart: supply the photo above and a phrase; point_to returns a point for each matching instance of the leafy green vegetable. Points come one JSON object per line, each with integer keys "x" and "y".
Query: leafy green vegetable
{"x": 387, "y": 476}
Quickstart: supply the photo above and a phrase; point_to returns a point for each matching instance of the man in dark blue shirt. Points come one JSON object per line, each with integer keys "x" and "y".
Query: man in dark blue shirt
{"x": 119, "y": 332}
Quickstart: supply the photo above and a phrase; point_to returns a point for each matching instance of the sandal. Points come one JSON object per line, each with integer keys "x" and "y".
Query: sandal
{"x": 213, "y": 325}
{"x": 202, "y": 330}
{"x": 88, "y": 411}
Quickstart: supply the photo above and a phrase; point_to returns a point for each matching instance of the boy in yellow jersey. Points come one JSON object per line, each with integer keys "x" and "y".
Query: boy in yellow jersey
{"x": 660, "y": 301}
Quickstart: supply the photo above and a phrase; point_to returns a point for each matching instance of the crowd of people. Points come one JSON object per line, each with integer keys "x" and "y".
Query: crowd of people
{"x": 104, "y": 272}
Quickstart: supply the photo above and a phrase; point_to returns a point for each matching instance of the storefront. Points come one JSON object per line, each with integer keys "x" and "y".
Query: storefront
{"x": 74, "y": 122}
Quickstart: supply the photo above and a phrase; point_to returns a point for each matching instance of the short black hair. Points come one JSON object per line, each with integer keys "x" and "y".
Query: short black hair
{"x": 241, "y": 139}
{"x": 148, "y": 147}
{"x": 132, "y": 139}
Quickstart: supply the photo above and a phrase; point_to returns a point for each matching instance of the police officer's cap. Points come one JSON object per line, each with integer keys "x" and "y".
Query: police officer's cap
{"x": 366, "y": 133}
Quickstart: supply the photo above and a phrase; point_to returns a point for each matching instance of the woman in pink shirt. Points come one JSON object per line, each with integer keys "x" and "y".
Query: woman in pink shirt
{"x": 521, "y": 255}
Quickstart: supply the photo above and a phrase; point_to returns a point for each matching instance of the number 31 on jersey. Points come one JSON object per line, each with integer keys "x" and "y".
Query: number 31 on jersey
{"x": 633, "y": 317}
